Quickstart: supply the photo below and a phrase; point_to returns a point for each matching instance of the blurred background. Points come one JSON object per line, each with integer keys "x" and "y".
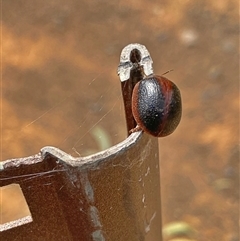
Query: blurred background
{"x": 59, "y": 87}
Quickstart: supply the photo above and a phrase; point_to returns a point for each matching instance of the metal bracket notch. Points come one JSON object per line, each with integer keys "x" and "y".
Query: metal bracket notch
{"x": 135, "y": 63}
{"x": 127, "y": 62}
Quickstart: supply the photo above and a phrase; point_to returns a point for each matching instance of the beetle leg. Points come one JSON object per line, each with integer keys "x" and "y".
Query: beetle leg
{"x": 137, "y": 128}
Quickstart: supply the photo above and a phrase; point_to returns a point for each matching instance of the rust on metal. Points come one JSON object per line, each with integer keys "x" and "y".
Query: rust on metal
{"x": 111, "y": 195}
{"x": 135, "y": 61}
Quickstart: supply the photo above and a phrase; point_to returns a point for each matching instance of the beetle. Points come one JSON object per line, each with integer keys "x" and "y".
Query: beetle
{"x": 156, "y": 106}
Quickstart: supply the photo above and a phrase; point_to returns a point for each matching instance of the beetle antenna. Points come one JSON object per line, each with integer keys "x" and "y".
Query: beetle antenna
{"x": 168, "y": 71}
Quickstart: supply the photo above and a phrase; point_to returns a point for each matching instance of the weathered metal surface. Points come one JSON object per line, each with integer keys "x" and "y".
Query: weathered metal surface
{"x": 133, "y": 56}
{"x": 111, "y": 195}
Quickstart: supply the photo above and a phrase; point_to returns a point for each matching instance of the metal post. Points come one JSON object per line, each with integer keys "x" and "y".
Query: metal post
{"x": 111, "y": 195}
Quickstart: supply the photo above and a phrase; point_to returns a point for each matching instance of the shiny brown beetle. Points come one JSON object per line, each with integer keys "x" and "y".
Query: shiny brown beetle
{"x": 156, "y": 106}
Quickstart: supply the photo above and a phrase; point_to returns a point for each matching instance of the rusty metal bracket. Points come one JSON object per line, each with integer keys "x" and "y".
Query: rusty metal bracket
{"x": 111, "y": 195}
{"x": 135, "y": 61}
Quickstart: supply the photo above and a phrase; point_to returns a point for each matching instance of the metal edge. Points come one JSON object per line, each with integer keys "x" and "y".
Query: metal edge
{"x": 70, "y": 160}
